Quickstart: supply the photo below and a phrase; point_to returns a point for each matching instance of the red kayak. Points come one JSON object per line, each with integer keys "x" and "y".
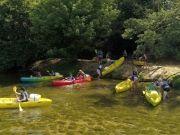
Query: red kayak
{"x": 69, "y": 82}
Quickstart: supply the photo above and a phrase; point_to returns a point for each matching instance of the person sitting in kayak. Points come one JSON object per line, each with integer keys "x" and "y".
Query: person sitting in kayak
{"x": 52, "y": 73}
{"x": 22, "y": 96}
{"x": 80, "y": 75}
{"x": 134, "y": 78}
{"x": 71, "y": 77}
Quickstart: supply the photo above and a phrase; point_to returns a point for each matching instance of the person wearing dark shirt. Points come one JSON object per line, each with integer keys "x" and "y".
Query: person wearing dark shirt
{"x": 22, "y": 95}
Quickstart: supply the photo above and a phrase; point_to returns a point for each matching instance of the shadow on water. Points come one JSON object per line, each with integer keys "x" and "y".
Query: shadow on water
{"x": 100, "y": 100}
{"x": 173, "y": 101}
{"x": 7, "y": 79}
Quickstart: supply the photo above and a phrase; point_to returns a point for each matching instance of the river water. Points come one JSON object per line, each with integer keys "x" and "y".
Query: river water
{"x": 89, "y": 109}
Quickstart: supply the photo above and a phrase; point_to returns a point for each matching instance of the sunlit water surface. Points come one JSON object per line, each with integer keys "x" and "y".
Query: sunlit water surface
{"x": 90, "y": 109}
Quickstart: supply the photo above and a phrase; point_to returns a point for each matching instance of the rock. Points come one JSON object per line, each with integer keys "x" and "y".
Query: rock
{"x": 150, "y": 72}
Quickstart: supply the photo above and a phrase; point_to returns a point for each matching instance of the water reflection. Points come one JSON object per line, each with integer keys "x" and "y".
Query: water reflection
{"x": 90, "y": 109}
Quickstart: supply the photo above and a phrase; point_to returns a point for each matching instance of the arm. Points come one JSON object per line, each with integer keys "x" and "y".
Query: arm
{"x": 17, "y": 93}
{"x": 14, "y": 89}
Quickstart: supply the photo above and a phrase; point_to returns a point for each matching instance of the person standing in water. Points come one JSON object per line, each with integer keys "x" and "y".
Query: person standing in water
{"x": 99, "y": 72}
{"x": 134, "y": 78}
{"x": 164, "y": 85}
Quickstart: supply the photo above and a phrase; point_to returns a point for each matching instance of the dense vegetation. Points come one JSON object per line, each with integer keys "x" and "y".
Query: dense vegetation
{"x": 37, "y": 29}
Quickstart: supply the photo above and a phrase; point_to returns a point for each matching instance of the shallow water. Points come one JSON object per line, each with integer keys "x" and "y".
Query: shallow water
{"x": 90, "y": 109}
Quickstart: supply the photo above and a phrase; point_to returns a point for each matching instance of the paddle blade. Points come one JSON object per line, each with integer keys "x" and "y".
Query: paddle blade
{"x": 20, "y": 108}
{"x": 14, "y": 88}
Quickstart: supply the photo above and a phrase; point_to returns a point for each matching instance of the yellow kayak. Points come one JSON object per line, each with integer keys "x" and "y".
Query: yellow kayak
{"x": 152, "y": 95}
{"x": 123, "y": 86}
{"x": 113, "y": 66}
{"x": 138, "y": 62}
{"x": 12, "y": 103}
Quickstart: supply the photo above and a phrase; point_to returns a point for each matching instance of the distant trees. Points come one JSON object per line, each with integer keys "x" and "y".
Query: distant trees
{"x": 35, "y": 29}
{"x": 15, "y": 38}
{"x": 66, "y": 26}
{"x": 158, "y": 33}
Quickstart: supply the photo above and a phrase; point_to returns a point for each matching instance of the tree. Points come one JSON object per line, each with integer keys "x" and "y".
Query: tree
{"x": 158, "y": 33}
{"x": 15, "y": 37}
{"x": 67, "y": 26}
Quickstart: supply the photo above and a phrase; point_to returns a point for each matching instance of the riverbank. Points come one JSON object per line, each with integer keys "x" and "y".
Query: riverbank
{"x": 150, "y": 72}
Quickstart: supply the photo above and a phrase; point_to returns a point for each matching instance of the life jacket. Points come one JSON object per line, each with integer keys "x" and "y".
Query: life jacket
{"x": 24, "y": 95}
{"x": 133, "y": 77}
{"x": 134, "y": 73}
{"x": 165, "y": 85}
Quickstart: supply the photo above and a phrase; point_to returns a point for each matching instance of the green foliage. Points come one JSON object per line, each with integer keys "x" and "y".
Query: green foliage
{"x": 69, "y": 25}
{"x": 158, "y": 33}
{"x": 176, "y": 82}
{"x": 37, "y": 29}
{"x": 15, "y": 41}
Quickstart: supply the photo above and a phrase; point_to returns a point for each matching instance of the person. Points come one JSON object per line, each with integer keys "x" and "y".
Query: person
{"x": 99, "y": 72}
{"x": 164, "y": 85}
{"x": 134, "y": 78}
{"x": 99, "y": 56}
{"x": 48, "y": 72}
{"x": 70, "y": 77}
{"x": 35, "y": 72}
{"x": 143, "y": 58}
{"x": 166, "y": 88}
{"x": 22, "y": 96}
{"x": 81, "y": 74}
{"x": 125, "y": 54}
{"x": 108, "y": 57}
{"x": 52, "y": 73}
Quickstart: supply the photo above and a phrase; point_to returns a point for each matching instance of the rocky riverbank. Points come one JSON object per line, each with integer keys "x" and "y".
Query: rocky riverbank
{"x": 150, "y": 72}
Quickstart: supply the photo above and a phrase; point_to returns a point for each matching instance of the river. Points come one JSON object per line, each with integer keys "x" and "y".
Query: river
{"x": 89, "y": 109}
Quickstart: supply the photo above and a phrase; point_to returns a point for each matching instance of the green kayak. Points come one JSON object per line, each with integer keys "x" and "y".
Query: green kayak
{"x": 39, "y": 79}
{"x": 152, "y": 95}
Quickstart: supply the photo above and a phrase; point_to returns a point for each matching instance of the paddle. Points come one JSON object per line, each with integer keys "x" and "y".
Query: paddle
{"x": 14, "y": 89}
{"x": 143, "y": 92}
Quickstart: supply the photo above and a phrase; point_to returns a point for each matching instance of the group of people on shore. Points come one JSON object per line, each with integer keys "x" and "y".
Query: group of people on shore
{"x": 160, "y": 84}
{"x": 39, "y": 73}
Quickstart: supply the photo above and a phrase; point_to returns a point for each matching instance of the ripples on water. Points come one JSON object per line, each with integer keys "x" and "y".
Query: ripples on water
{"x": 91, "y": 109}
